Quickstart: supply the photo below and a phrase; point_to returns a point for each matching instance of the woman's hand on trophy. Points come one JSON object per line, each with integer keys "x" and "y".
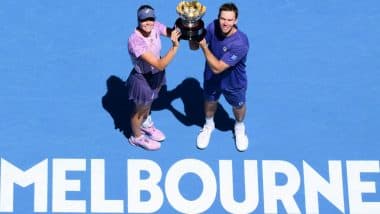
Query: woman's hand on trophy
{"x": 175, "y": 34}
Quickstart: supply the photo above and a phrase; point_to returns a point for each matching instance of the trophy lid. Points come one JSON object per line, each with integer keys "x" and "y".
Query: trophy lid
{"x": 191, "y": 10}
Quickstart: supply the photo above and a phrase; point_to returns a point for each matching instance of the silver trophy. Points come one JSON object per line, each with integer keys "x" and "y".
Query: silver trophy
{"x": 190, "y": 22}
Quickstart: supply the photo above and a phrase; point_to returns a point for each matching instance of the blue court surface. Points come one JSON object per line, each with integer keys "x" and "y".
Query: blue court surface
{"x": 313, "y": 104}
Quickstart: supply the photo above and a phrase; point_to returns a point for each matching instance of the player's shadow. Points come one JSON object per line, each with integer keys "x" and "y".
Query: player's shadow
{"x": 116, "y": 103}
{"x": 191, "y": 94}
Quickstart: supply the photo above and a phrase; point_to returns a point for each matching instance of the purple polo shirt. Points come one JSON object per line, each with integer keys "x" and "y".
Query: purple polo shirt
{"x": 233, "y": 51}
{"x": 138, "y": 45}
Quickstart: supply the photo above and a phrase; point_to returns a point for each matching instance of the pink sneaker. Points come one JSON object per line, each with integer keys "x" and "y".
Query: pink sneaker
{"x": 153, "y": 133}
{"x": 145, "y": 142}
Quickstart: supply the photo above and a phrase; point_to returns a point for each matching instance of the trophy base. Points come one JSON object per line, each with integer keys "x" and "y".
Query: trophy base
{"x": 193, "y": 45}
{"x": 192, "y": 31}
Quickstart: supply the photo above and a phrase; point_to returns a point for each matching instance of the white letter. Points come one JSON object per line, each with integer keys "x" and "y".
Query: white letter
{"x": 284, "y": 193}
{"x": 10, "y": 174}
{"x": 135, "y": 185}
{"x": 356, "y": 187}
{"x": 205, "y": 173}
{"x": 98, "y": 201}
{"x": 61, "y": 185}
{"x": 314, "y": 184}
{"x": 251, "y": 187}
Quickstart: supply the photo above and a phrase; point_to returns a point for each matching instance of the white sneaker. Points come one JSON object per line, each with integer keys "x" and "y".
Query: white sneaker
{"x": 241, "y": 139}
{"x": 204, "y": 136}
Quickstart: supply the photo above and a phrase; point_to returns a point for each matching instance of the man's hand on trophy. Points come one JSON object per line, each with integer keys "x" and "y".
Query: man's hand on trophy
{"x": 174, "y": 36}
{"x": 203, "y": 43}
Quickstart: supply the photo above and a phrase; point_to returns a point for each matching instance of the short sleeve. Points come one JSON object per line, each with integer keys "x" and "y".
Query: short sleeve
{"x": 160, "y": 27}
{"x": 236, "y": 51}
{"x": 234, "y": 55}
{"x": 137, "y": 46}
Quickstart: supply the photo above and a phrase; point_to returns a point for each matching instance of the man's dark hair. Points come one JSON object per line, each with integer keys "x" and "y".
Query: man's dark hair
{"x": 229, "y": 7}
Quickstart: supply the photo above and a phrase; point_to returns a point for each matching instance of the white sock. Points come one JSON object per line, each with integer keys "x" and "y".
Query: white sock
{"x": 239, "y": 126}
{"x": 210, "y": 122}
{"x": 147, "y": 122}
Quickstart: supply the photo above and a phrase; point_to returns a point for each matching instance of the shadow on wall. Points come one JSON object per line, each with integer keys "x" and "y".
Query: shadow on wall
{"x": 116, "y": 103}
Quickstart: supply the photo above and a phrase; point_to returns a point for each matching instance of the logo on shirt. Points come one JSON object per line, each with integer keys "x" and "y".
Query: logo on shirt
{"x": 224, "y": 48}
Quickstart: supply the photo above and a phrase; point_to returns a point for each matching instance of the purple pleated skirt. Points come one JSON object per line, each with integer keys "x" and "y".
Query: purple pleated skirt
{"x": 143, "y": 88}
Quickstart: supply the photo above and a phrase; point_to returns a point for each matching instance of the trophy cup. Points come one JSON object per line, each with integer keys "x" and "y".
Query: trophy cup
{"x": 190, "y": 22}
